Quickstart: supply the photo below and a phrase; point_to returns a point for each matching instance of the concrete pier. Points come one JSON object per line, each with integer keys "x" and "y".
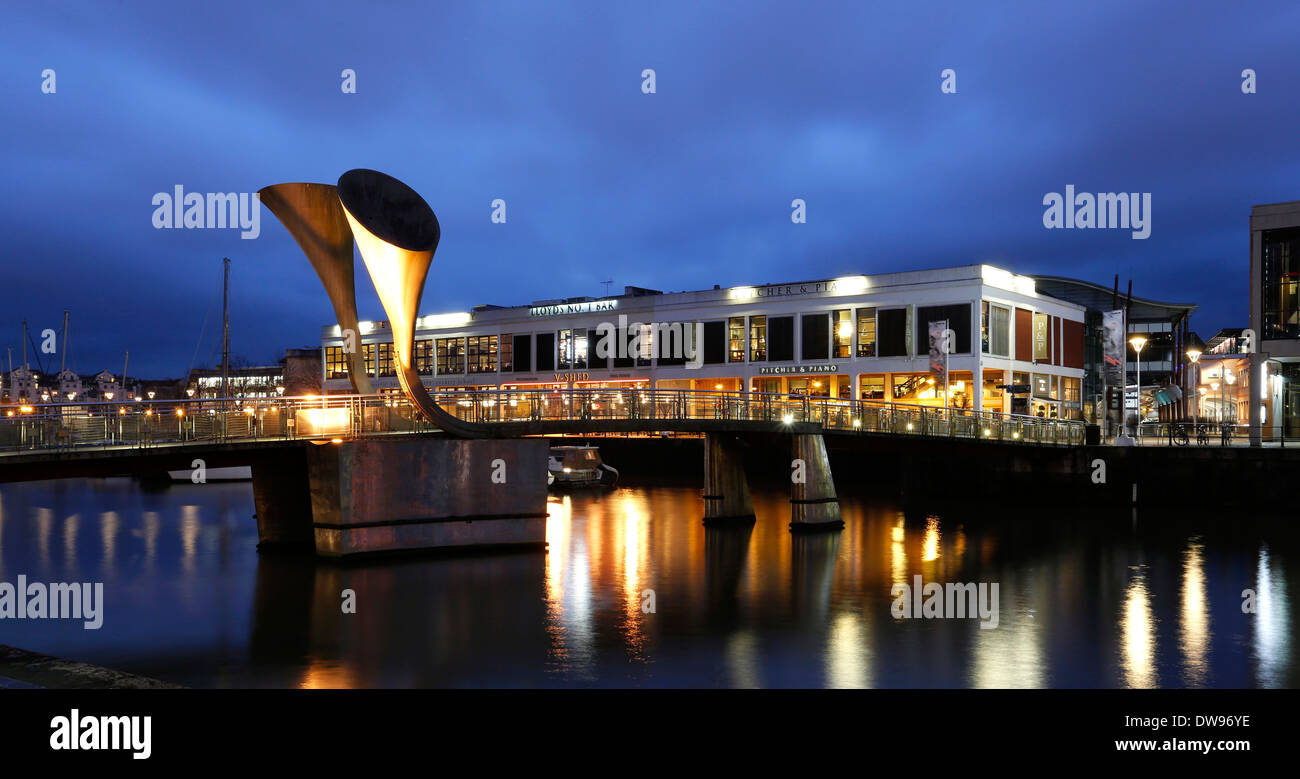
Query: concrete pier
{"x": 726, "y": 490}
{"x": 282, "y": 500}
{"x": 388, "y": 495}
{"x": 814, "y": 505}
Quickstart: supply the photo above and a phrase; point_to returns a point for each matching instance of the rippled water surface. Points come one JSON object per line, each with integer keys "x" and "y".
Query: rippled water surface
{"x": 1084, "y": 599}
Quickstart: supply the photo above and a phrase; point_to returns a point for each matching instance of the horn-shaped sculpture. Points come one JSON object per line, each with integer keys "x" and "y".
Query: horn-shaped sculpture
{"x": 397, "y": 233}
{"x": 313, "y": 216}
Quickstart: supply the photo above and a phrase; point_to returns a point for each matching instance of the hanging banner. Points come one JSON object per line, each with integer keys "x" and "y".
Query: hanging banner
{"x": 1113, "y": 355}
{"x": 938, "y": 369}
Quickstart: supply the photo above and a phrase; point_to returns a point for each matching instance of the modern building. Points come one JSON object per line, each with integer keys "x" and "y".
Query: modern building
{"x": 860, "y": 337}
{"x": 1273, "y": 344}
{"x": 1163, "y": 359}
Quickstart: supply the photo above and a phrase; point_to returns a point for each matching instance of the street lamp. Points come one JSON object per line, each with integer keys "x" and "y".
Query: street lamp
{"x": 189, "y": 391}
{"x": 1228, "y": 378}
{"x": 1194, "y": 354}
{"x": 151, "y": 394}
{"x": 1137, "y": 342}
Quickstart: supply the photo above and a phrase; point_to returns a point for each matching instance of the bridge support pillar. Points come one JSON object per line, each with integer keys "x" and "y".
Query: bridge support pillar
{"x": 385, "y": 495}
{"x": 282, "y": 500}
{"x": 726, "y": 491}
{"x": 813, "y": 504}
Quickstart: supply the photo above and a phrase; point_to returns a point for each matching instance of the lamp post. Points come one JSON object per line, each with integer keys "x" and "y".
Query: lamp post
{"x": 1194, "y": 354}
{"x": 1229, "y": 378}
{"x": 1137, "y": 342}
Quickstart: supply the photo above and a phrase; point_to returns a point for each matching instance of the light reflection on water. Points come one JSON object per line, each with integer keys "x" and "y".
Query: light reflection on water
{"x": 634, "y": 591}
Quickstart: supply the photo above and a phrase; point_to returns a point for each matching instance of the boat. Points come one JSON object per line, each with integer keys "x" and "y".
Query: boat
{"x": 232, "y": 473}
{"x": 575, "y": 467}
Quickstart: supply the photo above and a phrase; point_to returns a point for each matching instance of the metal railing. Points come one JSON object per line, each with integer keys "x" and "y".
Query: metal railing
{"x": 144, "y": 424}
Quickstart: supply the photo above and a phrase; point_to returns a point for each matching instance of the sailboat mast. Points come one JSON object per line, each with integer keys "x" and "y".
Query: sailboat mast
{"x": 125, "y": 364}
{"x": 24, "y": 344}
{"x": 225, "y": 331}
{"x": 63, "y": 356}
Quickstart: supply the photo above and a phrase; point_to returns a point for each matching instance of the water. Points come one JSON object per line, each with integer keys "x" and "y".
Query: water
{"x": 1085, "y": 599}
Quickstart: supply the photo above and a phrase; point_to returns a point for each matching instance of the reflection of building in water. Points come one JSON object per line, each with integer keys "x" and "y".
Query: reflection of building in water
{"x": 1272, "y": 623}
{"x": 1194, "y": 617}
{"x": 1138, "y": 633}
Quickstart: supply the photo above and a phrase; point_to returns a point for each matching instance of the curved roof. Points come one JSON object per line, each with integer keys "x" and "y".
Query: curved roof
{"x": 1099, "y": 298}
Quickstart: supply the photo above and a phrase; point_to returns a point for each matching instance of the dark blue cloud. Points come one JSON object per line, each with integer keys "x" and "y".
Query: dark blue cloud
{"x": 540, "y": 104}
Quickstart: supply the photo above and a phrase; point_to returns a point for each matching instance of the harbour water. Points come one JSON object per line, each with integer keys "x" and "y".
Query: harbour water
{"x": 634, "y": 592}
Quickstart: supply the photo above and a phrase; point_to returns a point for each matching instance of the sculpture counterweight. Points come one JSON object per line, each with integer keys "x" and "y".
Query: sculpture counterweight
{"x": 397, "y": 233}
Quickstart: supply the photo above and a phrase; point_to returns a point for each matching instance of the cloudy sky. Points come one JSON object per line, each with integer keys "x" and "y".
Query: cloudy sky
{"x": 541, "y": 104}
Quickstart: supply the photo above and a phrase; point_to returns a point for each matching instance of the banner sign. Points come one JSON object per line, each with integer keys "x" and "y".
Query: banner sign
{"x": 1112, "y": 323}
{"x": 938, "y": 369}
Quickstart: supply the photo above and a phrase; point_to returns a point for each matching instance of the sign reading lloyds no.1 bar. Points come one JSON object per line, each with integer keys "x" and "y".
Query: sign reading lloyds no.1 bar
{"x": 780, "y": 370}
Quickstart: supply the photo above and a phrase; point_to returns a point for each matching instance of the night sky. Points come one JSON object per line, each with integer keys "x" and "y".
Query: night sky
{"x": 541, "y": 104}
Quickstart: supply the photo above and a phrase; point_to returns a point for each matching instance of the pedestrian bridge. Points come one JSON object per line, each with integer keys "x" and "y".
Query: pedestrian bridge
{"x": 352, "y": 475}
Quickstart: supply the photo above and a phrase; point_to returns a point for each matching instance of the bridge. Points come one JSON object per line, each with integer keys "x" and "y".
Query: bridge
{"x": 354, "y": 474}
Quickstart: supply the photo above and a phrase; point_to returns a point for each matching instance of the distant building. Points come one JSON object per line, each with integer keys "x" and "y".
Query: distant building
{"x": 22, "y": 386}
{"x": 302, "y": 372}
{"x": 1275, "y": 320}
{"x": 1163, "y": 359}
{"x": 1227, "y": 341}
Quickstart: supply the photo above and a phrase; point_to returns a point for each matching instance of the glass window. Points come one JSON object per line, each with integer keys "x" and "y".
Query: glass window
{"x": 736, "y": 339}
{"x": 867, "y": 333}
{"x": 507, "y": 353}
{"x": 451, "y": 355}
{"x": 385, "y": 352}
{"x": 424, "y": 356}
{"x": 368, "y": 357}
{"x": 482, "y": 353}
{"x": 336, "y": 363}
{"x": 872, "y": 387}
{"x": 1000, "y": 331}
{"x": 1280, "y": 283}
{"x": 842, "y": 334}
{"x": 758, "y": 339}
{"x": 573, "y": 348}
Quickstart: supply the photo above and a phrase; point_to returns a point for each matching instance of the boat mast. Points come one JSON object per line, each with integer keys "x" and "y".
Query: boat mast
{"x": 63, "y": 356}
{"x": 24, "y": 344}
{"x": 225, "y": 331}
{"x": 126, "y": 362}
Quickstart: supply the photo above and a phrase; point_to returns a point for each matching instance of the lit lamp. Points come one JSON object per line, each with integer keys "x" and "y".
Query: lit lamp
{"x": 108, "y": 396}
{"x": 1229, "y": 378}
{"x": 72, "y": 396}
{"x": 279, "y": 389}
{"x": 1194, "y": 354}
{"x": 189, "y": 391}
{"x": 1137, "y": 342}
{"x": 151, "y": 394}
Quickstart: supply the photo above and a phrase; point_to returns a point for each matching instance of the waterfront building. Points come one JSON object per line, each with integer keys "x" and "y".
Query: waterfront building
{"x": 1274, "y": 322}
{"x": 1015, "y": 350}
{"x": 1163, "y": 358}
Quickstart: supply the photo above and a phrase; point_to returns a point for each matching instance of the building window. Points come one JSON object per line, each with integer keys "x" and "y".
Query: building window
{"x": 451, "y": 355}
{"x": 872, "y": 387}
{"x": 336, "y": 363}
{"x": 1070, "y": 390}
{"x": 892, "y": 332}
{"x": 507, "y": 353}
{"x": 573, "y": 349}
{"x": 842, "y": 333}
{"x": 758, "y": 339}
{"x": 645, "y": 348}
{"x": 998, "y": 340}
{"x": 385, "y": 357}
{"x": 867, "y": 332}
{"x": 1280, "y": 283}
{"x": 424, "y": 357}
{"x": 816, "y": 337}
{"x": 736, "y": 339}
{"x": 482, "y": 353}
{"x": 368, "y": 357}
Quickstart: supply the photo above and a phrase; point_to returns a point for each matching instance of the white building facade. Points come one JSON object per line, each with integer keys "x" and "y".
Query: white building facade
{"x": 858, "y": 337}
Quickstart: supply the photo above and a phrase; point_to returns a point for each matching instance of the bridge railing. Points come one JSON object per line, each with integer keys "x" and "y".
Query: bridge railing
{"x": 146, "y": 423}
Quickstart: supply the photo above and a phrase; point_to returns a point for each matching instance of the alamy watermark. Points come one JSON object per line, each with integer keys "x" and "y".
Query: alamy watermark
{"x": 57, "y": 600}
{"x": 213, "y": 210}
{"x": 1102, "y": 211}
{"x": 953, "y": 600}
